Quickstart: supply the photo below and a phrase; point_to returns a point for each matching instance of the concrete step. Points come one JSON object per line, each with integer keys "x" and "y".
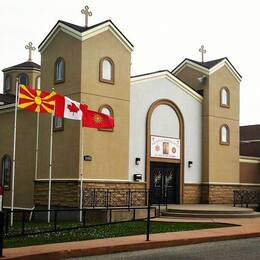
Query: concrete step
{"x": 210, "y": 214}
{"x": 212, "y": 211}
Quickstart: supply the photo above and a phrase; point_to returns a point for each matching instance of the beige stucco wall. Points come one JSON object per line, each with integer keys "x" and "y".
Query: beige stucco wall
{"x": 109, "y": 150}
{"x": 220, "y": 162}
{"x": 65, "y": 143}
{"x": 25, "y": 154}
{"x": 223, "y": 159}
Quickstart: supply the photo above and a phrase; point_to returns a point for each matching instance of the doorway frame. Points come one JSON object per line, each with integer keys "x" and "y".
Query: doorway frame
{"x": 153, "y": 106}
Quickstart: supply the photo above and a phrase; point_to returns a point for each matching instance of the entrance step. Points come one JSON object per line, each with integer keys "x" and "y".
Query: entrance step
{"x": 208, "y": 211}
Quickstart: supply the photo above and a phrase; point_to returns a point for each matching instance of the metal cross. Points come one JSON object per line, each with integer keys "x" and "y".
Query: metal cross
{"x": 30, "y": 47}
{"x": 87, "y": 13}
{"x": 203, "y": 51}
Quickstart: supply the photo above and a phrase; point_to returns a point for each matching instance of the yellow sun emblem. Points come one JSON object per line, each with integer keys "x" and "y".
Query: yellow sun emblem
{"x": 98, "y": 119}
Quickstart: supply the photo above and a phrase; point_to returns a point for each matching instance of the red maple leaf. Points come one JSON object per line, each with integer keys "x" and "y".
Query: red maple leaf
{"x": 73, "y": 108}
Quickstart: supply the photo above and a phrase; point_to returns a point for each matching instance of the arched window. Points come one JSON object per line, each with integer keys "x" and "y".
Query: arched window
{"x": 106, "y": 70}
{"x": 224, "y": 97}
{"x": 107, "y": 110}
{"x": 224, "y": 135}
{"x": 7, "y": 84}
{"x": 38, "y": 83}
{"x": 23, "y": 79}
{"x": 59, "y": 70}
{"x": 6, "y": 172}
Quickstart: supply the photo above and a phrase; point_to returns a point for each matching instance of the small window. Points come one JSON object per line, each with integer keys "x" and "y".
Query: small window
{"x": 6, "y": 172}
{"x": 7, "y": 84}
{"x": 224, "y": 97}
{"x": 107, "y": 110}
{"x": 59, "y": 70}
{"x": 23, "y": 79}
{"x": 224, "y": 135}
{"x": 58, "y": 124}
{"x": 106, "y": 70}
{"x": 38, "y": 82}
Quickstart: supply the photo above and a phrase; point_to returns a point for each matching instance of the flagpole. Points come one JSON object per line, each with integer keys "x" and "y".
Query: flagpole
{"x": 81, "y": 174}
{"x": 14, "y": 150}
{"x": 50, "y": 170}
{"x": 37, "y": 143}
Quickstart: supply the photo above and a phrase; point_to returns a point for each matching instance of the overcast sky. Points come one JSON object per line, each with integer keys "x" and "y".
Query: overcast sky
{"x": 163, "y": 33}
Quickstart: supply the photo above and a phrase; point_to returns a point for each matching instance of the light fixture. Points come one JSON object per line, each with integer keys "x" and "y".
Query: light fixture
{"x": 137, "y": 160}
{"x": 137, "y": 177}
{"x": 190, "y": 163}
{"x": 202, "y": 79}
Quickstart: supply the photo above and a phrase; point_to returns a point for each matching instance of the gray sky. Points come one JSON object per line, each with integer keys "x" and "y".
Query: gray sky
{"x": 163, "y": 33}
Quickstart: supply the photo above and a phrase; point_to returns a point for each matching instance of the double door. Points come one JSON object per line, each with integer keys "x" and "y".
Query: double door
{"x": 164, "y": 182}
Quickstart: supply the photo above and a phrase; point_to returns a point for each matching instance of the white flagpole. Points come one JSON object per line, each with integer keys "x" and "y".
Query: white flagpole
{"x": 50, "y": 170}
{"x": 37, "y": 143}
{"x": 81, "y": 174}
{"x": 14, "y": 149}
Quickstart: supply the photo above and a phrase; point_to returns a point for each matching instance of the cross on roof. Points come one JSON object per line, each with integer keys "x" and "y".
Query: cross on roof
{"x": 87, "y": 13}
{"x": 31, "y": 48}
{"x": 203, "y": 51}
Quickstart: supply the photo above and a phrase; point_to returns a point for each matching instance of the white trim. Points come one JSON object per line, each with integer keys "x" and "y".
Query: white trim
{"x": 22, "y": 68}
{"x": 89, "y": 180}
{"x": 85, "y": 35}
{"x": 8, "y": 207}
{"x": 249, "y": 157}
{"x": 257, "y": 161}
{"x": 202, "y": 69}
{"x": 7, "y": 106}
{"x": 167, "y": 75}
{"x": 250, "y": 141}
{"x": 224, "y": 183}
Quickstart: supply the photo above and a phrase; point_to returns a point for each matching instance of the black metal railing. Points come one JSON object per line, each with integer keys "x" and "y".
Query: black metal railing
{"x": 105, "y": 198}
{"x": 245, "y": 198}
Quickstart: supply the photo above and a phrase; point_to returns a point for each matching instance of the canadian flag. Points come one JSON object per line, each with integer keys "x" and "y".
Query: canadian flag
{"x": 68, "y": 108}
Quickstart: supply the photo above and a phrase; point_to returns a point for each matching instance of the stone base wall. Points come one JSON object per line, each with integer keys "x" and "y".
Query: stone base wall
{"x": 223, "y": 194}
{"x": 67, "y": 193}
{"x": 212, "y": 194}
{"x": 192, "y": 194}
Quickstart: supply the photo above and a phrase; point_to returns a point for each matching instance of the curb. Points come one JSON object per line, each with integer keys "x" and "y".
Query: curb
{"x": 62, "y": 254}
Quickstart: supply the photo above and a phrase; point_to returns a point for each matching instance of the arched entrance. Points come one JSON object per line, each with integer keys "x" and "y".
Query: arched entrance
{"x": 165, "y": 151}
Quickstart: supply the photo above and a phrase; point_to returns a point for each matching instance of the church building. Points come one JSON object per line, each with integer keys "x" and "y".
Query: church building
{"x": 176, "y": 132}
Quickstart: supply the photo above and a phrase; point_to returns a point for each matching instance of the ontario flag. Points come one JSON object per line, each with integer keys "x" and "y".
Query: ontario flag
{"x": 36, "y": 100}
{"x": 68, "y": 108}
{"x": 94, "y": 119}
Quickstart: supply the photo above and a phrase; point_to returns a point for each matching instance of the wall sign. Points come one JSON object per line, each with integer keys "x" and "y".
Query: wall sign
{"x": 165, "y": 147}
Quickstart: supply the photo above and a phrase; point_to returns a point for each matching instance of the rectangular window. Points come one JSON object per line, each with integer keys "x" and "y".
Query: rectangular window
{"x": 58, "y": 123}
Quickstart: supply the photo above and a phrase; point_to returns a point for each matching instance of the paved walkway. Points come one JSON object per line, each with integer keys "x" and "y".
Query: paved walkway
{"x": 248, "y": 228}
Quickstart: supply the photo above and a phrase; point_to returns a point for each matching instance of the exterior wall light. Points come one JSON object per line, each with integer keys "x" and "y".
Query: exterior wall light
{"x": 137, "y": 160}
{"x": 190, "y": 163}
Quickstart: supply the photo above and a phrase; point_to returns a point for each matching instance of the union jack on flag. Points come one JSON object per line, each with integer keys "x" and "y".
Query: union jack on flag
{"x": 36, "y": 100}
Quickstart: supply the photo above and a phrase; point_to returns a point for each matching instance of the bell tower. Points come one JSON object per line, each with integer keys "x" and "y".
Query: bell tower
{"x": 218, "y": 82}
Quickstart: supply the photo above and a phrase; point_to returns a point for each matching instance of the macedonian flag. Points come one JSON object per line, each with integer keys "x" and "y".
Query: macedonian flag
{"x": 36, "y": 100}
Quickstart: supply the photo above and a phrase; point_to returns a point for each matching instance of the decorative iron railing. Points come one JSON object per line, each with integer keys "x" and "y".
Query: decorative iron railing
{"x": 245, "y": 197}
{"x": 96, "y": 198}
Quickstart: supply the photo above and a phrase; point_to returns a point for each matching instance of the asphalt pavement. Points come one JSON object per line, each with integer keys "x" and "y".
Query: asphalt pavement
{"x": 240, "y": 249}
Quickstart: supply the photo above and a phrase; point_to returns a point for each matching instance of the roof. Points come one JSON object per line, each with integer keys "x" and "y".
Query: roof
{"x": 209, "y": 66}
{"x": 6, "y": 99}
{"x": 250, "y": 132}
{"x": 250, "y": 140}
{"x": 28, "y": 65}
{"x": 82, "y": 30}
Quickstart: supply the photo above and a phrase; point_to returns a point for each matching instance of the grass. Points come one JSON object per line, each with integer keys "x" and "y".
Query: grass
{"x": 98, "y": 232}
